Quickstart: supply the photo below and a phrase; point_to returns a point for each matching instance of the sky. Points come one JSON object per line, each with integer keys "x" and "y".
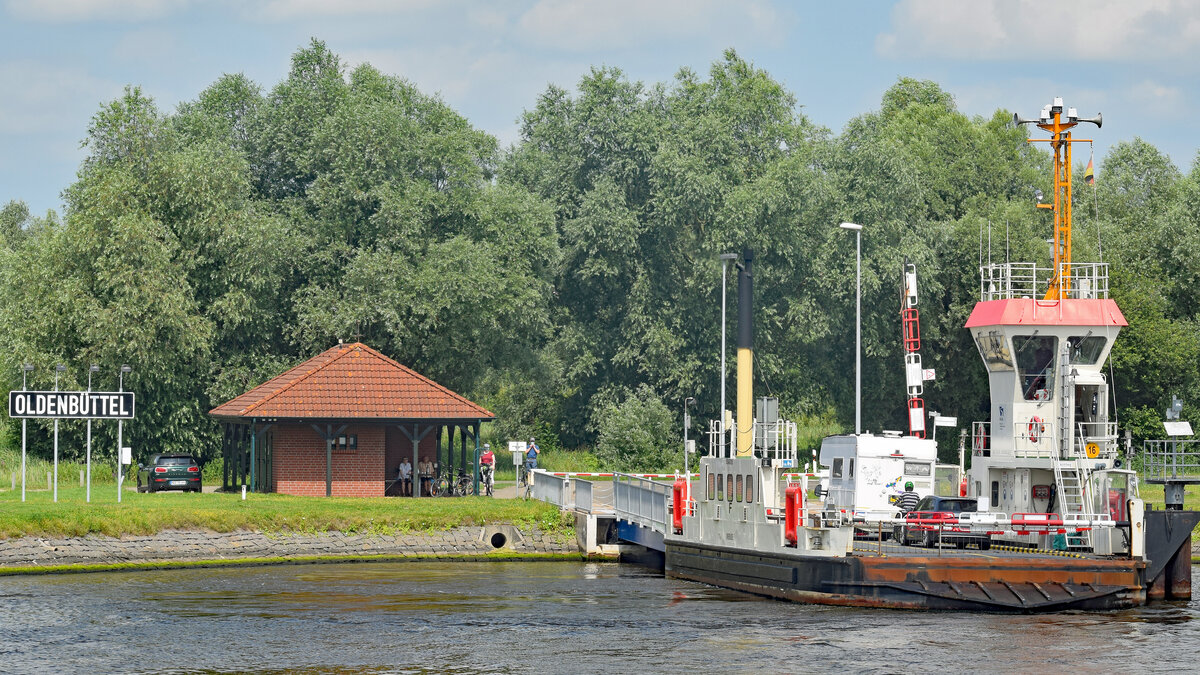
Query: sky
{"x": 1137, "y": 62}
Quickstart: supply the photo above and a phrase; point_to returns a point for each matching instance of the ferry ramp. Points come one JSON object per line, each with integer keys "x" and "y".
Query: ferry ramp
{"x": 634, "y": 507}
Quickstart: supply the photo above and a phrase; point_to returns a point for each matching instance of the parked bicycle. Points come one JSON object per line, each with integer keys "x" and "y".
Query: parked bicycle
{"x": 445, "y": 485}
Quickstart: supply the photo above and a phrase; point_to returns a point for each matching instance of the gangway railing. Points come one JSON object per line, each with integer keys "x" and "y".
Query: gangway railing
{"x": 583, "y": 495}
{"x": 641, "y": 501}
{"x": 550, "y": 488}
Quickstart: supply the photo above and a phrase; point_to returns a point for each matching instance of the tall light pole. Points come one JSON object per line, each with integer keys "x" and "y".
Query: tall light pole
{"x": 687, "y": 424}
{"x": 120, "y": 439}
{"x": 25, "y": 370}
{"x": 725, "y": 258}
{"x": 857, "y": 325}
{"x": 57, "y": 369}
{"x": 91, "y": 370}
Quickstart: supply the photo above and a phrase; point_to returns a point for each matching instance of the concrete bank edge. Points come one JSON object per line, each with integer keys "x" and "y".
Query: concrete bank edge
{"x": 186, "y": 548}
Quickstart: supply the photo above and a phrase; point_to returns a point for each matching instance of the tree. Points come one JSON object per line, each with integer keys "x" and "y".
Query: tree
{"x": 637, "y": 434}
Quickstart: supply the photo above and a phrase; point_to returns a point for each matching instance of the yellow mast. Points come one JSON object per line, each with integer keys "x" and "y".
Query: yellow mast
{"x": 1059, "y": 123}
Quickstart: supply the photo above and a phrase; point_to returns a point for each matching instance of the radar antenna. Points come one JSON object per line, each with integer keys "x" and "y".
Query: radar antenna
{"x": 1059, "y": 122}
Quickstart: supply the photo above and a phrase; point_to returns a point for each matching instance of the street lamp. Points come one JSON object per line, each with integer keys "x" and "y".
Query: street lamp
{"x": 687, "y": 424}
{"x": 725, "y": 258}
{"x": 857, "y": 326}
{"x": 25, "y": 370}
{"x": 120, "y": 438}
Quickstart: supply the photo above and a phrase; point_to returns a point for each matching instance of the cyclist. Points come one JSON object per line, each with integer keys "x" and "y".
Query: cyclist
{"x": 487, "y": 465}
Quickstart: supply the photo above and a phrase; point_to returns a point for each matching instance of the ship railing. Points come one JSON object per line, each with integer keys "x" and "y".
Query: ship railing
{"x": 641, "y": 501}
{"x": 1080, "y": 280}
{"x": 1035, "y": 439}
{"x": 721, "y": 444}
{"x": 981, "y": 439}
{"x": 777, "y": 442}
{"x": 1103, "y": 434}
{"x": 1177, "y": 460}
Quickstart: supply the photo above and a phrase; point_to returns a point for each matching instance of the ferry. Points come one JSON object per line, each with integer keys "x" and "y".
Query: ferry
{"x": 1057, "y": 518}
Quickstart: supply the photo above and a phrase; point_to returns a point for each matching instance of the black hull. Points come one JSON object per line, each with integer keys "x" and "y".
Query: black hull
{"x": 948, "y": 582}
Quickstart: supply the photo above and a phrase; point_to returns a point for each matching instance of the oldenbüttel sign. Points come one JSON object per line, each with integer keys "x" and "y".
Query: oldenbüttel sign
{"x": 110, "y": 405}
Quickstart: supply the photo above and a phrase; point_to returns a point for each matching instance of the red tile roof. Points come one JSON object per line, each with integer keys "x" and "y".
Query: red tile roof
{"x": 351, "y": 382}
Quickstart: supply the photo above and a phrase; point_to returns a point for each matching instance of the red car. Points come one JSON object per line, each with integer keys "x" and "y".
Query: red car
{"x": 936, "y": 520}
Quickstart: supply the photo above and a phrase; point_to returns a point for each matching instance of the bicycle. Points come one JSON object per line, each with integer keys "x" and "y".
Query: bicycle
{"x": 485, "y": 480}
{"x": 458, "y": 486}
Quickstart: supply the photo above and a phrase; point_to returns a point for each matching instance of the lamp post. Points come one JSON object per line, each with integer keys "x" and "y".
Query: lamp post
{"x": 857, "y": 325}
{"x": 120, "y": 471}
{"x": 687, "y": 424}
{"x": 25, "y": 370}
{"x": 725, "y": 258}
{"x": 91, "y": 369}
{"x": 57, "y": 369}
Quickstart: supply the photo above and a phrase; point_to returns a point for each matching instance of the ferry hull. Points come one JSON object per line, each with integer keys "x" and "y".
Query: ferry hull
{"x": 948, "y": 582}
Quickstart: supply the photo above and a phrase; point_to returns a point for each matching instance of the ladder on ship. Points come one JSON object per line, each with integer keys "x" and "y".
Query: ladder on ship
{"x": 1072, "y": 498}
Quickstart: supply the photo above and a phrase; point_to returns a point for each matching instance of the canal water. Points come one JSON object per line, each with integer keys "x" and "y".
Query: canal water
{"x": 532, "y": 617}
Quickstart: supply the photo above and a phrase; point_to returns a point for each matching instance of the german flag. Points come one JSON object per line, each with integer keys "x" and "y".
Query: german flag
{"x": 1089, "y": 174}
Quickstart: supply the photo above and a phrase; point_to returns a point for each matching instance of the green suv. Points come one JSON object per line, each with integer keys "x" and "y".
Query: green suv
{"x": 169, "y": 472}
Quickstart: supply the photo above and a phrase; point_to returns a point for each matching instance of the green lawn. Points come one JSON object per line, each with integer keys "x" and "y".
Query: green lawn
{"x": 149, "y": 513}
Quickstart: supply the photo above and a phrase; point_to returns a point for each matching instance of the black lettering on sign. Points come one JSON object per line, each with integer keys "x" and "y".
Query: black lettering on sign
{"x": 96, "y": 405}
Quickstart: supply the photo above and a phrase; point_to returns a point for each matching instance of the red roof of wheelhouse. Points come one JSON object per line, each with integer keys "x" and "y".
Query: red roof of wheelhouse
{"x": 351, "y": 381}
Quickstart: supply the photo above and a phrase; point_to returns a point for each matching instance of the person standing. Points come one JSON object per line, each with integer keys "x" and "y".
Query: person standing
{"x": 405, "y": 477}
{"x": 425, "y": 472}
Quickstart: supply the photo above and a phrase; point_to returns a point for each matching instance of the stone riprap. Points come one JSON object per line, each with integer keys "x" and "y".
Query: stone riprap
{"x": 189, "y": 546}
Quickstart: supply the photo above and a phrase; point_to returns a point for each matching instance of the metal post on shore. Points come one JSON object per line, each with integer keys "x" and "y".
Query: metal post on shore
{"x": 25, "y": 370}
{"x": 91, "y": 369}
{"x": 57, "y": 369}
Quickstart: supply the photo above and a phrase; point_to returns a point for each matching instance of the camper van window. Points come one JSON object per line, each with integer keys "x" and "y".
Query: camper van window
{"x": 850, "y": 473}
{"x": 738, "y": 493}
{"x": 1084, "y": 349}
{"x": 916, "y": 469}
{"x": 994, "y": 350}
{"x": 729, "y": 484}
{"x": 1035, "y": 365}
{"x": 749, "y": 489}
{"x": 712, "y": 483}
{"x": 720, "y": 488}
{"x": 837, "y": 468}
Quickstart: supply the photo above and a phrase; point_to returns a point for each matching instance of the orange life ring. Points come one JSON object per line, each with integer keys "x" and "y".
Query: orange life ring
{"x": 1036, "y": 428}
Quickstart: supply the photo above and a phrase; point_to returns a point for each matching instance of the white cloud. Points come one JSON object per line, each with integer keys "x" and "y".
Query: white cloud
{"x": 284, "y": 10}
{"x": 1036, "y": 30}
{"x": 581, "y": 25}
{"x": 88, "y": 10}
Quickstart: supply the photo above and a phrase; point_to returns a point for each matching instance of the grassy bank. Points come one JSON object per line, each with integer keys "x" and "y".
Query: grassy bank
{"x": 150, "y": 513}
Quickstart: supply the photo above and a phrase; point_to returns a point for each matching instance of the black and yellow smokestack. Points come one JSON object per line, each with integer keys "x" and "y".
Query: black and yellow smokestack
{"x": 745, "y": 357}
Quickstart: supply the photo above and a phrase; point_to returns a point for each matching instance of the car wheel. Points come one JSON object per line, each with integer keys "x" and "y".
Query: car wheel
{"x": 928, "y": 540}
{"x": 149, "y": 487}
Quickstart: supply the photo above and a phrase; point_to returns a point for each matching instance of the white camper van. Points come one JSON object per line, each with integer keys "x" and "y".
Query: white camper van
{"x": 867, "y": 472}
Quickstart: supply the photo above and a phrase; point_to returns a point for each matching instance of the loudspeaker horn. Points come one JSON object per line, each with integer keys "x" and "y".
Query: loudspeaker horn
{"x": 1098, "y": 120}
{"x": 1018, "y": 120}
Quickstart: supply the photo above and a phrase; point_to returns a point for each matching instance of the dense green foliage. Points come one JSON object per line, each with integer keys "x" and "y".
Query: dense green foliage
{"x": 571, "y": 283}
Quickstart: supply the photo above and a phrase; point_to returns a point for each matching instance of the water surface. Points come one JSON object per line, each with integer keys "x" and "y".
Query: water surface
{"x": 519, "y": 617}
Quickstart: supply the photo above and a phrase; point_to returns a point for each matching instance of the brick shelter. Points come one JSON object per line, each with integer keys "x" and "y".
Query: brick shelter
{"x": 339, "y": 424}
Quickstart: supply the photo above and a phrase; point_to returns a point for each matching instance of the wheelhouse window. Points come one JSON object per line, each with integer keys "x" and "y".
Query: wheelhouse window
{"x": 738, "y": 492}
{"x": 712, "y": 485}
{"x": 1085, "y": 349}
{"x": 994, "y": 350}
{"x": 1035, "y": 365}
{"x": 750, "y": 489}
{"x": 720, "y": 487}
{"x": 730, "y": 491}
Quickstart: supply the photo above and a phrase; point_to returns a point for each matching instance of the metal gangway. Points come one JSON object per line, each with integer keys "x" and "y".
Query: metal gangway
{"x": 639, "y": 505}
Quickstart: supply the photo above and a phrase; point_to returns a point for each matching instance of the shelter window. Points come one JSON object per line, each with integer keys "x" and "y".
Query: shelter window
{"x": 994, "y": 350}
{"x": 836, "y": 471}
{"x": 346, "y": 442}
{"x": 1086, "y": 350}
{"x": 1035, "y": 365}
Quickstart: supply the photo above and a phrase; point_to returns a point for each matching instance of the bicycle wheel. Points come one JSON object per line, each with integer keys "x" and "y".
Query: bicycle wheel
{"x": 463, "y": 487}
{"x": 442, "y": 487}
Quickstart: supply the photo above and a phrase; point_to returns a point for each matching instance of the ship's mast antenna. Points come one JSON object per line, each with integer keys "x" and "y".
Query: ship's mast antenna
{"x": 1059, "y": 122}
{"x": 914, "y": 375}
